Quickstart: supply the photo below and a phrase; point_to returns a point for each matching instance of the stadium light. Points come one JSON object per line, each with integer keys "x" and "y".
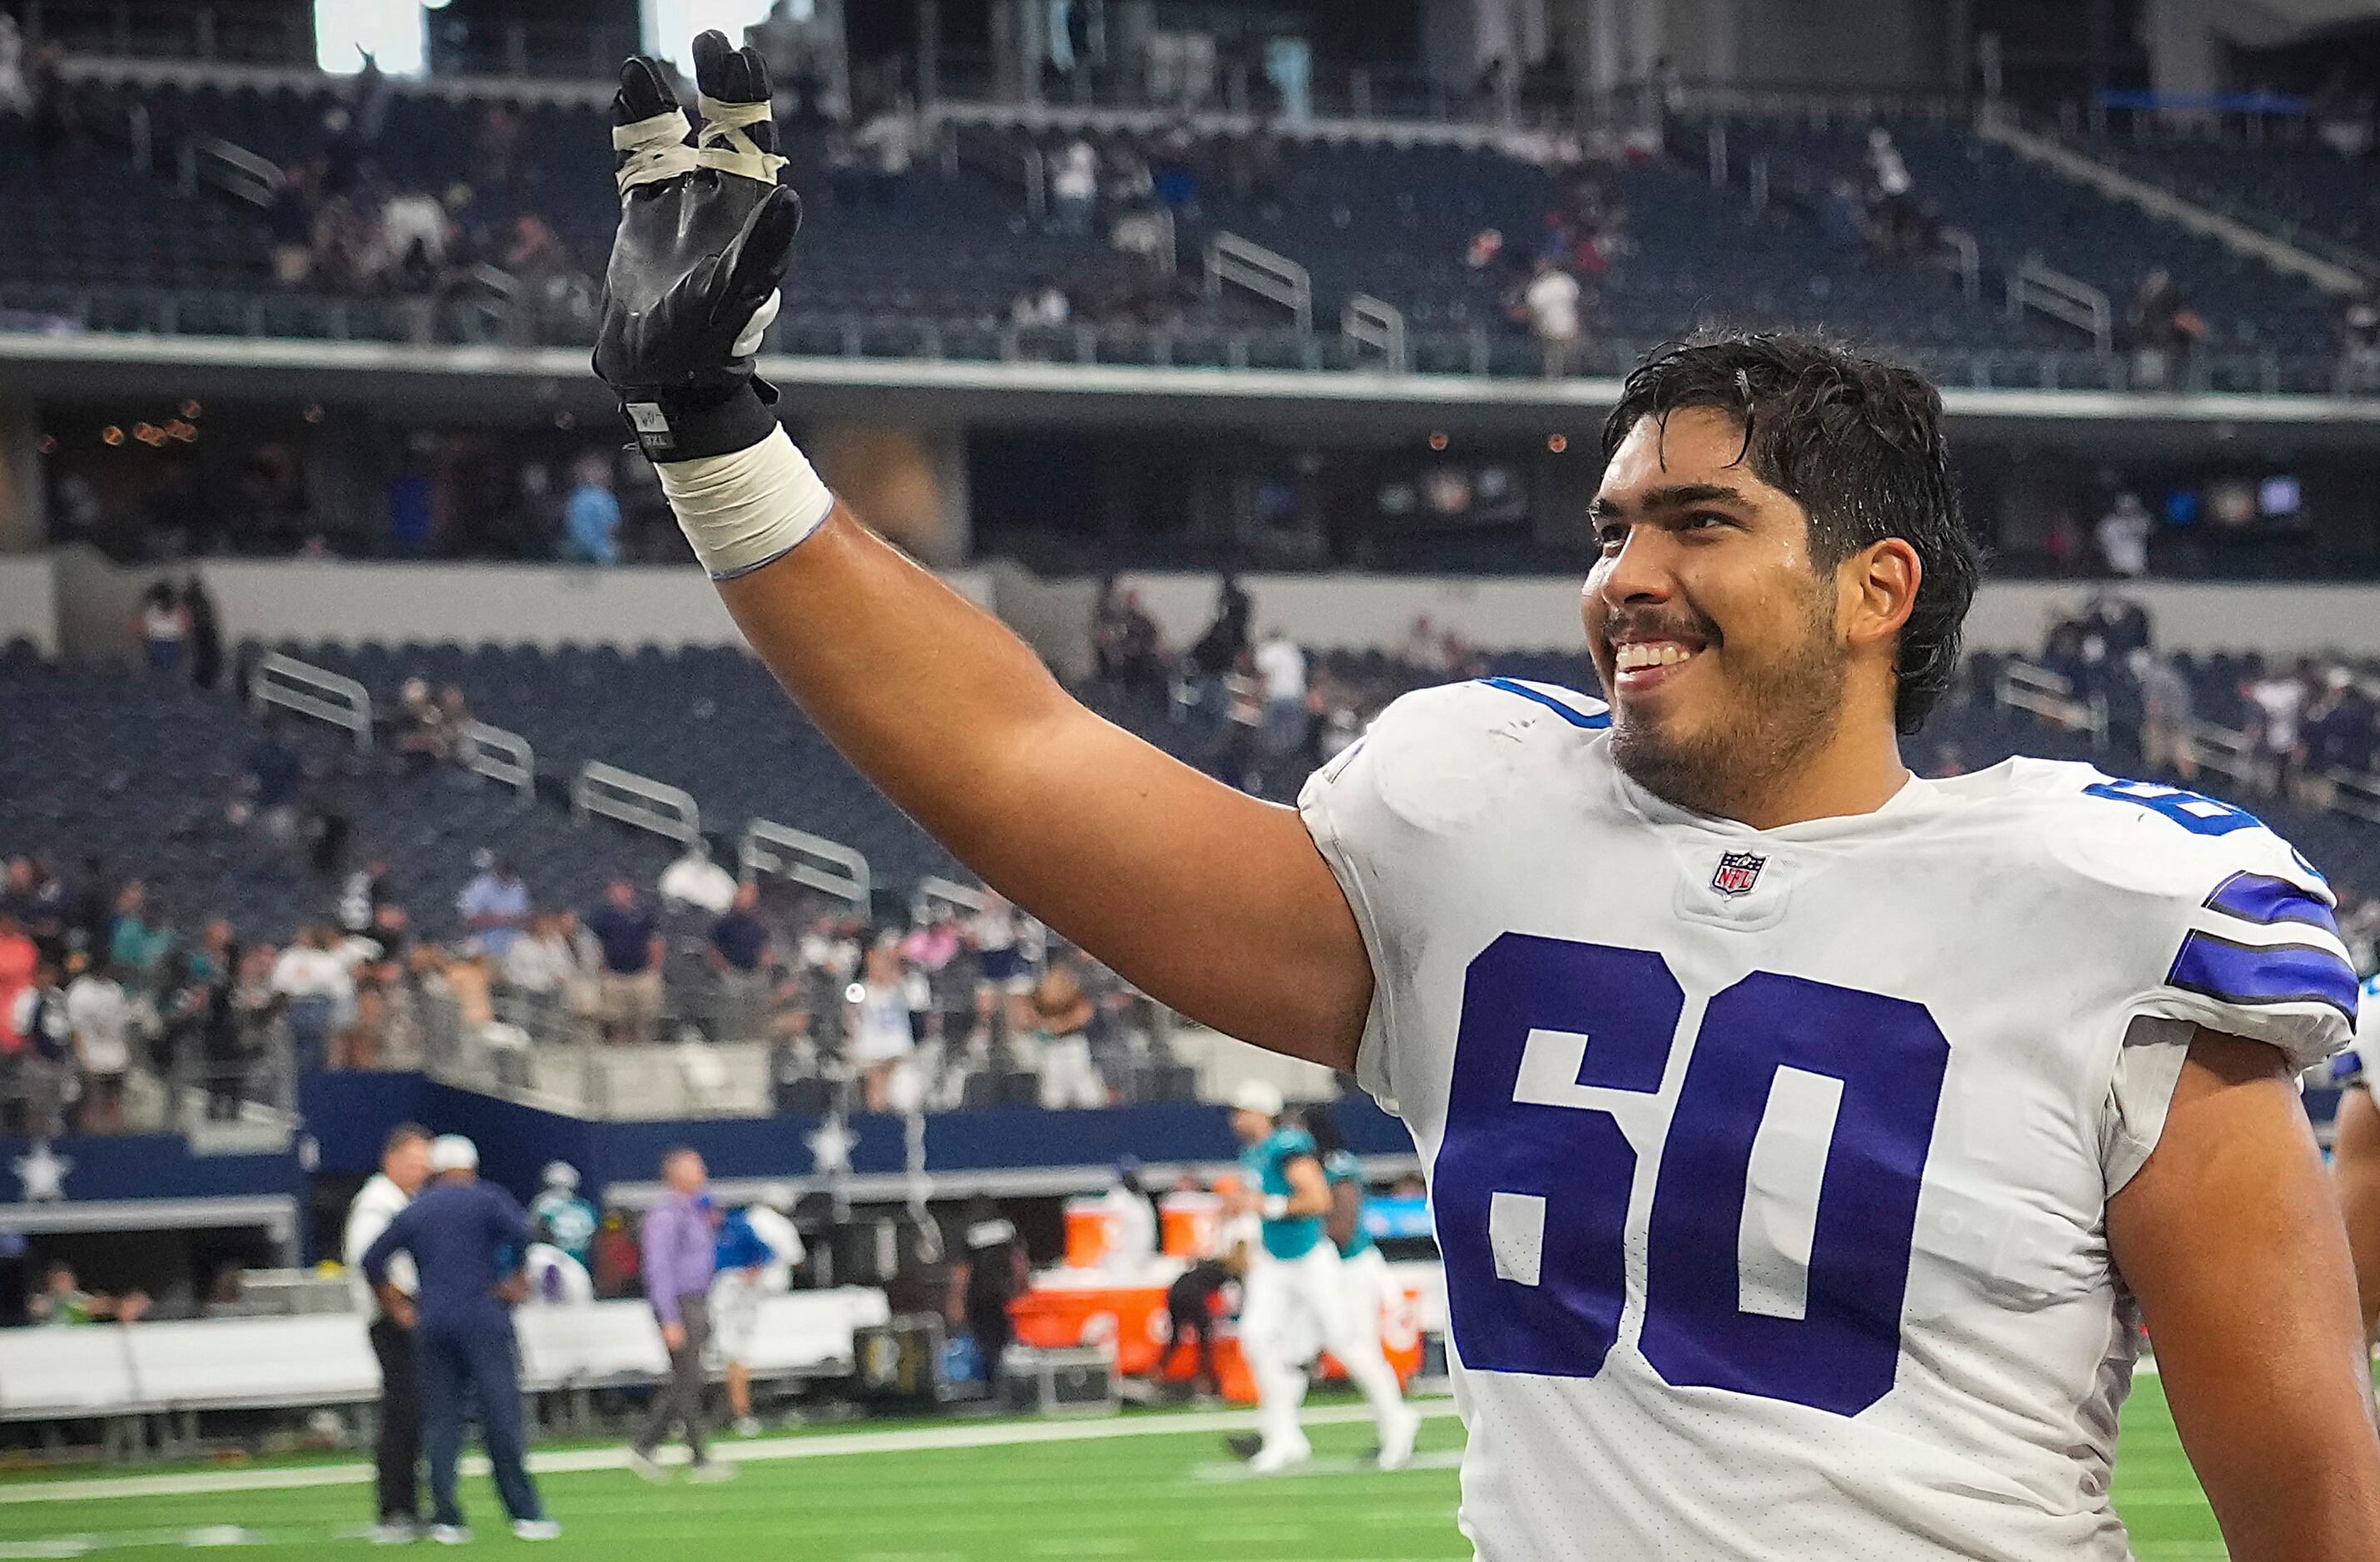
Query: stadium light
{"x": 394, "y": 32}
{"x": 670, "y": 25}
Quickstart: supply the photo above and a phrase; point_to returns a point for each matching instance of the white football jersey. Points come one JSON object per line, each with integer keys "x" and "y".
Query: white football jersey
{"x": 1771, "y": 1167}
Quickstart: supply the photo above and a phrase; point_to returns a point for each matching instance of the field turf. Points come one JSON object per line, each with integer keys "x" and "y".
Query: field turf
{"x": 1147, "y": 1486}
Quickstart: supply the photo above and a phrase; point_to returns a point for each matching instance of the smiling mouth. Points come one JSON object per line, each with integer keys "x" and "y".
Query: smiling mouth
{"x": 1640, "y": 665}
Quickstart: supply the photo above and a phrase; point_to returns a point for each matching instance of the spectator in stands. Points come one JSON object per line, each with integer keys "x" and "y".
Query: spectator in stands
{"x": 1063, "y": 1018}
{"x": 163, "y": 628}
{"x": 62, "y": 1302}
{"x": 887, "y": 144}
{"x": 365, "y": 891}
{"x": 223, "y": 1040}
{"x": 2277, "y": 700}
{"x": 19, "y": 958}
{"x": 1280, "y": 665}
{"x": 289, "y": 222}
{"x": 1074, "y": 187}
{"x": 2124, "y": 535}
{"x": 15, "y": 92}
{"x": 2163, "y": 331}
{"x": 1042, "y": 305}
{"x": 2359, "y": 343}
{"x": 590, "y": 525}
{"x": 206, "y": 634}
{"x": 423, "y": 735}
{"x": 629, "y": 932}
{"x": 693, "y": 879}
{"x": 680, "y": 1259}
{"x": 1550, "y": 305}
{"x": 1892, "y": 207}
{"x": 1225, "y": 639}
{"x": 100, "y": 1013}
{"x": 396, "y": 1451}
{"x": 137, "y": 940}
{"x": 883, "y": 1037}
{"x": 2340, "y": 733}
{"x": 466, "y": 1238}
{"x": 316, "y": 994}
{"x": 44, "y": 1058}
{"x": 495, "y": 905}
{"x": 738, "y": 951}
{"x": 538, "y": 972}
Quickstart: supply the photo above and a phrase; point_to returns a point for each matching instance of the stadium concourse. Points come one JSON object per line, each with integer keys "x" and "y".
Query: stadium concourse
{"x": 392, "y": 819}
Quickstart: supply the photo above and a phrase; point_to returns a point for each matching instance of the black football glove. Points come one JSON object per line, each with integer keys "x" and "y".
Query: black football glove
{"x": 705, "y": 233}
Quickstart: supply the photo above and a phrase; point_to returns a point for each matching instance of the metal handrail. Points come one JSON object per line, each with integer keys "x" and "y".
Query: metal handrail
{"x": 1375, "y": 323}
{"x": 230, "y": 167}
{"x": 935, "y": 894}
{"x": 2035, "y": 285}
{"x": 636, "y": 800}
{"x": 315, "y": 691}
{"x": 1964, "y": 259}
{"x": 2220, "y": 748}
{"x": 2037, "y": 690}
{"x": 501, "y": 757}
{"x": 1268, "y": 274}
{"x": 2355, "y": 793}
{"x": 829, "y": 866}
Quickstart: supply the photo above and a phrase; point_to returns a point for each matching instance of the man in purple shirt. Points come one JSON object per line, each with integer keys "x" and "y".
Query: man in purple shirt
{"x": 680, "y": 1243}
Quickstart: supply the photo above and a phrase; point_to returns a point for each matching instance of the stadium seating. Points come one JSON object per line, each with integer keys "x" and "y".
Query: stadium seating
{"x": 2294, "y": 187}
{"x": 2018, "y": 209}
{"x": 140, "y": 771}
{"x": 930, "y": 268}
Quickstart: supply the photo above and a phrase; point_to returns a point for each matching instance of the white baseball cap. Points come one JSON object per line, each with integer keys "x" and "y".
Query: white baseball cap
{"x": 452, "y": 1152}
{"x": 1256, "y": 1095}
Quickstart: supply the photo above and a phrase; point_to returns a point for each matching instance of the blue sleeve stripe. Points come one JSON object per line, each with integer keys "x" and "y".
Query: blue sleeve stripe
{"x": 1570, "y": 713}
{"x": 2255, "y": 897}
{"x": 2260, "y": 975}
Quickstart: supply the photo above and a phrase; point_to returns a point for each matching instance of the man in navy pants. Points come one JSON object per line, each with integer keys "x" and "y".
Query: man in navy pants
{"x": 467, "y": 1238}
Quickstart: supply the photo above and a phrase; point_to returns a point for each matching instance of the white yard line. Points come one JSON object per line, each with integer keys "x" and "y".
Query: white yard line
{"x": 828, "y": 1445}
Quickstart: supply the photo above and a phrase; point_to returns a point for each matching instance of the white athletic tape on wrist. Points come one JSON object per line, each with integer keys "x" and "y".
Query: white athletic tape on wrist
{"x": 741, "y": 510}
{"x": 726, "y": 147}
{"x": 656, "y": 148}
{"x": 1276, "y": 1206}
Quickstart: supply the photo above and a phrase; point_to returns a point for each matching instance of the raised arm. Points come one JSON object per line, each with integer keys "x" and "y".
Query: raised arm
{"x": 2230, "y": 1237}
{"x": 1211, "y": 901}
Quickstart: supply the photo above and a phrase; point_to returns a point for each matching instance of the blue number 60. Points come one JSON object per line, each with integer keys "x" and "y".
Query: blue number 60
{"x": 1534, "y": 1174}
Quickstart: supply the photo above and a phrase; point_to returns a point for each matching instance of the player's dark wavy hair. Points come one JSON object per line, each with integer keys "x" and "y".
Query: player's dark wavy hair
{"x": 1858, "y": 443}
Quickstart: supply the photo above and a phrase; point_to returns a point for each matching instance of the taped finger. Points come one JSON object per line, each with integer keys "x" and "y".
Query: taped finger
{"x": 726, "y": 144}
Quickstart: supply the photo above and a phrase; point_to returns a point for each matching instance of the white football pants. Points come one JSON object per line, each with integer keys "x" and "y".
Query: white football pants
{"x": 1291, "y": 1307}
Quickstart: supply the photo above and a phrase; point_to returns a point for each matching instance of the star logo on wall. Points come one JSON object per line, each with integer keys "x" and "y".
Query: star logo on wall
{"x": 44, "y": 1173}
{"x": 831, "y": 1146}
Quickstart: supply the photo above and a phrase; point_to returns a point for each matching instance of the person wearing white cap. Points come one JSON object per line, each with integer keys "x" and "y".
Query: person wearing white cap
{"x": 1292, "y": 1297}
{"x": 466, "y": 1238}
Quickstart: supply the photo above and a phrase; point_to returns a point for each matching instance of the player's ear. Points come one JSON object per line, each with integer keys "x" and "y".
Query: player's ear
{"x": 1880, "y": 590}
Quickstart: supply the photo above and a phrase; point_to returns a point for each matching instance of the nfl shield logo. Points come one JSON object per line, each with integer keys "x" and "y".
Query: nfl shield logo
{"x": 1737, "y": 873}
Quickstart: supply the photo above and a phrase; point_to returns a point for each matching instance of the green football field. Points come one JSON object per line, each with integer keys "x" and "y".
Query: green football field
{"x": 1144, "y": 1486}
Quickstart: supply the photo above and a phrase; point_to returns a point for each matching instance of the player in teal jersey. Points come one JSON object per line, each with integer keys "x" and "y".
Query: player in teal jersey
{"x": 1367, "y": 1288}
{"x": 1295, "y": 1291}
{"x": 559, "y": 1216}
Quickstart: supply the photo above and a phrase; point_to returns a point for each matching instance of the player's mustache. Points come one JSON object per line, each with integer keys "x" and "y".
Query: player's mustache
{"x": 1622, "y": 624}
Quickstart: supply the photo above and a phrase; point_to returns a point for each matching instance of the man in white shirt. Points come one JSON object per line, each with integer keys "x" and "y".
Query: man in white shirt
{"x": 1075, "y": 187}
{"x": 403, "y": 1167}
{"x": 319, "y": 992}
{"x": 695, "y": 881}
{"x": 2124, "y": 538}
{"x": 1552, "y": 300}
{"x": 1281, "y": 666}
{"x": 101, "y": 1015}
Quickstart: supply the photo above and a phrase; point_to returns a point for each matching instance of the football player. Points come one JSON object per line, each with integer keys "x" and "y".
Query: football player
{"x": 1294, "y": 1298}
{"x": 2357, "y": 1156}
{"x": 1808, "y": 1142}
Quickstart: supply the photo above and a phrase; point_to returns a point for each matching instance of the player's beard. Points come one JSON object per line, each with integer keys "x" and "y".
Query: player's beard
{"x": 1779, "y": 713}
